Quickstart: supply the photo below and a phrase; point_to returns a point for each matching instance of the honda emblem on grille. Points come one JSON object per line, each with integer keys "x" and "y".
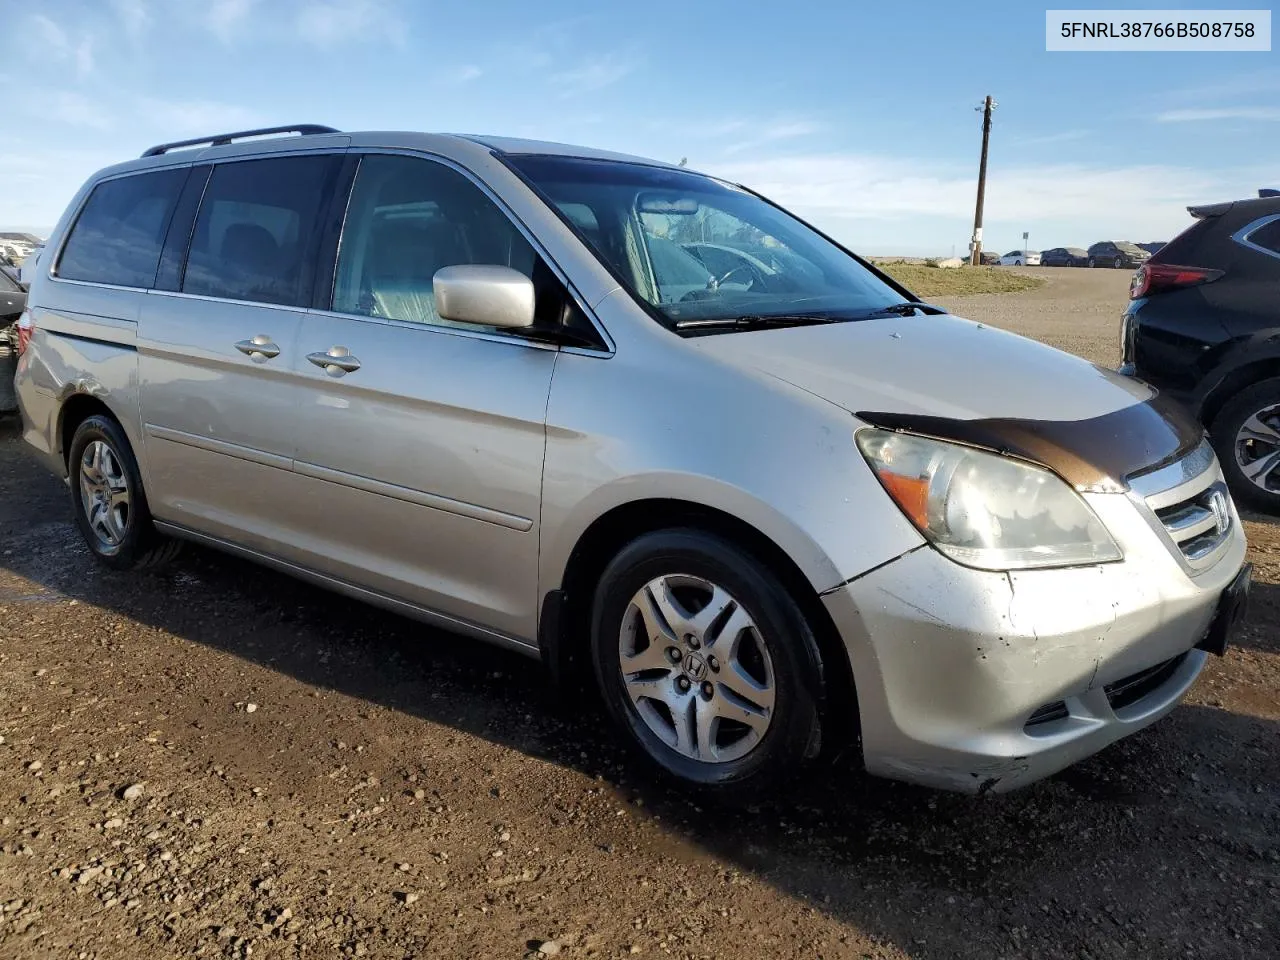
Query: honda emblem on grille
{"x": 1221, "y": 508}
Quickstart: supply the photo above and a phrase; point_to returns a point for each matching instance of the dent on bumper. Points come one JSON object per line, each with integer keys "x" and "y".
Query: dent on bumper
{"x": 950, "y": 662}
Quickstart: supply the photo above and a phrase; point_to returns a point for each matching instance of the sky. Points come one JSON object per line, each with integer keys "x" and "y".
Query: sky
{"x": 860, "y": 117}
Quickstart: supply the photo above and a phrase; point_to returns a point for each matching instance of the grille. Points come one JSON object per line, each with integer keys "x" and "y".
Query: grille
{"x": 1200, "y": 523}
{"x": 1134, "y": 687}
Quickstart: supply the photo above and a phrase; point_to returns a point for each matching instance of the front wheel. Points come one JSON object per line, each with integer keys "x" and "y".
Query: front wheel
{"x": 1246, "y": 437}
{"x": 108, "y": 500}
{"x": 1119, "y": 263}
{"x": 706, "y": 662}
{"x": 1092, "y": 262}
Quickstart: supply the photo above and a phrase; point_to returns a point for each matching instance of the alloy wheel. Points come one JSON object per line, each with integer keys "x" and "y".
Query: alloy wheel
{"x": 696, "y": 668}
{"x": 104, "y": 493}
{"x": 1257, "y": 449}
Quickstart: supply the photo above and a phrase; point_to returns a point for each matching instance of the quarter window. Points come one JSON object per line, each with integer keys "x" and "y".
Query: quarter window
{"x": 1268, "y": 236}
{"x": 119, "y": 233}
{"x": 407, "y": 218}
{"x": 253, "y": 236}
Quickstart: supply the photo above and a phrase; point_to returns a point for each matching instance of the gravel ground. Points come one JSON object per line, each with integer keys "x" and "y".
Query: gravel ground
{"x": 218, "y": 761}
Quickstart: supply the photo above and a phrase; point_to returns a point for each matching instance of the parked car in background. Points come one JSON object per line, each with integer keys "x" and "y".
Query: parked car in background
{"x": 1117, "y": 253}
{"x": 13, "y": 300}
{"x": 1202, "y": 326}
{"x": 1021, "y": 258}
{"x": 28, "y": 267}
{"x": 1064, "y": 257}
{"x": 479, "y": 381}
{"x": 1153, "y": 246}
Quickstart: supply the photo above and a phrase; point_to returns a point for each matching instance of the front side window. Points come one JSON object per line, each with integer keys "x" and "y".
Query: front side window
{"x": 119, "y": 233}
{"x": 697, "y": 250}
{"x": 407, "y": 218}
{"x": 252, "y": 237}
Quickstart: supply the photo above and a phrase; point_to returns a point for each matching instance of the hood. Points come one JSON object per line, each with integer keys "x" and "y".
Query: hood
{"x": 951, "y": 378}
{"x": 942, "y": 366}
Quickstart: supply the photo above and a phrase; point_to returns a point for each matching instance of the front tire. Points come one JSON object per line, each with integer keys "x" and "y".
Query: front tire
{"x": 706, "y": 662}
{"x": 109, "y": 503}
{"x": 1092, "y": 262}
{"x": 1246, "y": 436}
{"x": 1119, "y": 263}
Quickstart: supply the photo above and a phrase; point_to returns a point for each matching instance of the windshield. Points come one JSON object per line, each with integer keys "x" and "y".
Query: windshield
{"x": 697, "y": 249}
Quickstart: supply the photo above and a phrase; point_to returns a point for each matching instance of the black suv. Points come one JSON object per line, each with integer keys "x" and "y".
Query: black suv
{"x": 1118, "y": 254}
{"x": 1203, "y": 326}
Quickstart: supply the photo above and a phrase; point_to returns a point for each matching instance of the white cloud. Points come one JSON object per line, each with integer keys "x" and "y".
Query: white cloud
{"x": 772, "y": 132}
{"x": 594, "y": 74}
{"x": 325, "y": 24}
{"x": 133, "y": 16}
{"x": 225, "y": 17}
{"x": 66, "y": 107}
{"x": 196, "y": 117}
{"x": 465, "y": 74}
{"x": 860, "y": 197}
{"x": 1198, "y": 115}
{"x": 49, "y": 35}
{"x": 50, "y": 42}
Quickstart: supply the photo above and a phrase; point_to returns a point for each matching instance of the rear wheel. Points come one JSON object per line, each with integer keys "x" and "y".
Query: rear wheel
{"x": 1119, "y": 263}
{"x": 1093, "y": 262}
{"x": 108, "y": 500}
{"x": 706, "y": 662}
{"x": 1246, "y": 436}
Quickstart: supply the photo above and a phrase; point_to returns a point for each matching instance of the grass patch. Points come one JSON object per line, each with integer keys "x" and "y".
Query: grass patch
{"x": 934, "y": 282}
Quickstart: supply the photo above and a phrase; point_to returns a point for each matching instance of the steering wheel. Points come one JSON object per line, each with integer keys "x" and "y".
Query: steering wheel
{"x": 714, "y": 283}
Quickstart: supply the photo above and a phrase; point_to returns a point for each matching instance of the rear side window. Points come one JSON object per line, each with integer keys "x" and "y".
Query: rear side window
{"x": 1267, "y": 236}
{"x": 253, "y": 235}
{"x": 119, "y": 233}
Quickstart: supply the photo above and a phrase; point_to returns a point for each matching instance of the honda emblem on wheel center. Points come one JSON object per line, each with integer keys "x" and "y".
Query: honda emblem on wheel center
{"x": 695, "y": 667}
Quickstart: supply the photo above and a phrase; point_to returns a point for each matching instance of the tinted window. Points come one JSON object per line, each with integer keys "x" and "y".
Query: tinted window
{"x": 8, "y": 284}
{"x": 118, "y": 235}
{"x": 408, "y": 218}
{"x": 1267, "y": 236}
{"x": 252, "y": 237}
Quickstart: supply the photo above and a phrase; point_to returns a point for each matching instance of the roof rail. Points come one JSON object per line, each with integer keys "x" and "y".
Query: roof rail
{"x": 222, "y": 139}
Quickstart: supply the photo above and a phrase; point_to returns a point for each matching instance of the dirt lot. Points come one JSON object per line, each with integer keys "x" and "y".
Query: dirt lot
{"x": 317, "y": 779}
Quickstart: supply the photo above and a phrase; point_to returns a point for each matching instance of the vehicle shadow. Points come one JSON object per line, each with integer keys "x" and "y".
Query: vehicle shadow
{"x": 1091, "y": 863}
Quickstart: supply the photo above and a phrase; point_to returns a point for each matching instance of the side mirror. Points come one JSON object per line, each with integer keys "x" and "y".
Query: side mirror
{"x": 482, "y": 294}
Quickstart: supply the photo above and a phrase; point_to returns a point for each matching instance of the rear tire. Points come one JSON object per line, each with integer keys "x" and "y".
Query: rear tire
{"x": 1246, "y": 436}
{"x": 109, "y": 503}
{"x": 1092, "y": 262}
{"x": 1119, "y": 263}
{"x": 726, "y": 702}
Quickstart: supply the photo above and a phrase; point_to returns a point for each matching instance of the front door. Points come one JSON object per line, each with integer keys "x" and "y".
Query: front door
{"x": 420, "y": 443}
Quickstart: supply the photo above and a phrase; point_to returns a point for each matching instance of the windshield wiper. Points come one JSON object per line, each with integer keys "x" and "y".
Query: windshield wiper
{"x": 765, "y": 320}
{"x": 908, "y": 307}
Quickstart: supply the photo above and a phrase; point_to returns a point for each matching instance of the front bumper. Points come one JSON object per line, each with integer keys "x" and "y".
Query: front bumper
{"x": 952, "y": 663}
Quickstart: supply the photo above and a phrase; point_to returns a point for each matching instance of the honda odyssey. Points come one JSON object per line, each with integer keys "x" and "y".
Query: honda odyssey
{"x": 640, "y": 423}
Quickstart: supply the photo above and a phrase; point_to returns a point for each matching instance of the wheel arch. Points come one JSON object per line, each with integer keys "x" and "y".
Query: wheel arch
{"x": 75, "y": 408}
{"x": 1232, "y": 381}
{"x": 564, "y": 624}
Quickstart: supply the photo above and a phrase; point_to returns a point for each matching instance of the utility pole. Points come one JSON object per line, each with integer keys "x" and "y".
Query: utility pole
{"x": 975, "y": 244}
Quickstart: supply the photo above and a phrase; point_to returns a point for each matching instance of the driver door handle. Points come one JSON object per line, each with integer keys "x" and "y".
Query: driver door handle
{"x": 260, "y": 348}
{"x": 336, "y": 361}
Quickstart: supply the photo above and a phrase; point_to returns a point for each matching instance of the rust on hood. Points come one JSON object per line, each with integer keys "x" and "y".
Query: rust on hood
{"x": 1092, "y": 455}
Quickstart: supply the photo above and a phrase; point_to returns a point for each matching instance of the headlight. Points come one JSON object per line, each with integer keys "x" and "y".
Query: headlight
{"x": 984, "y": 510}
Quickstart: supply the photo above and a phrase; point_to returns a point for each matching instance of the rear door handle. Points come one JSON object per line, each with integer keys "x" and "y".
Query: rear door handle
{"x": 336, "y": 361}
{"x": 260, "y": 348}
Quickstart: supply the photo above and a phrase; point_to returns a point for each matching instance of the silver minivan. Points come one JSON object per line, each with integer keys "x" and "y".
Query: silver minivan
{"x": 642, "y": 424}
